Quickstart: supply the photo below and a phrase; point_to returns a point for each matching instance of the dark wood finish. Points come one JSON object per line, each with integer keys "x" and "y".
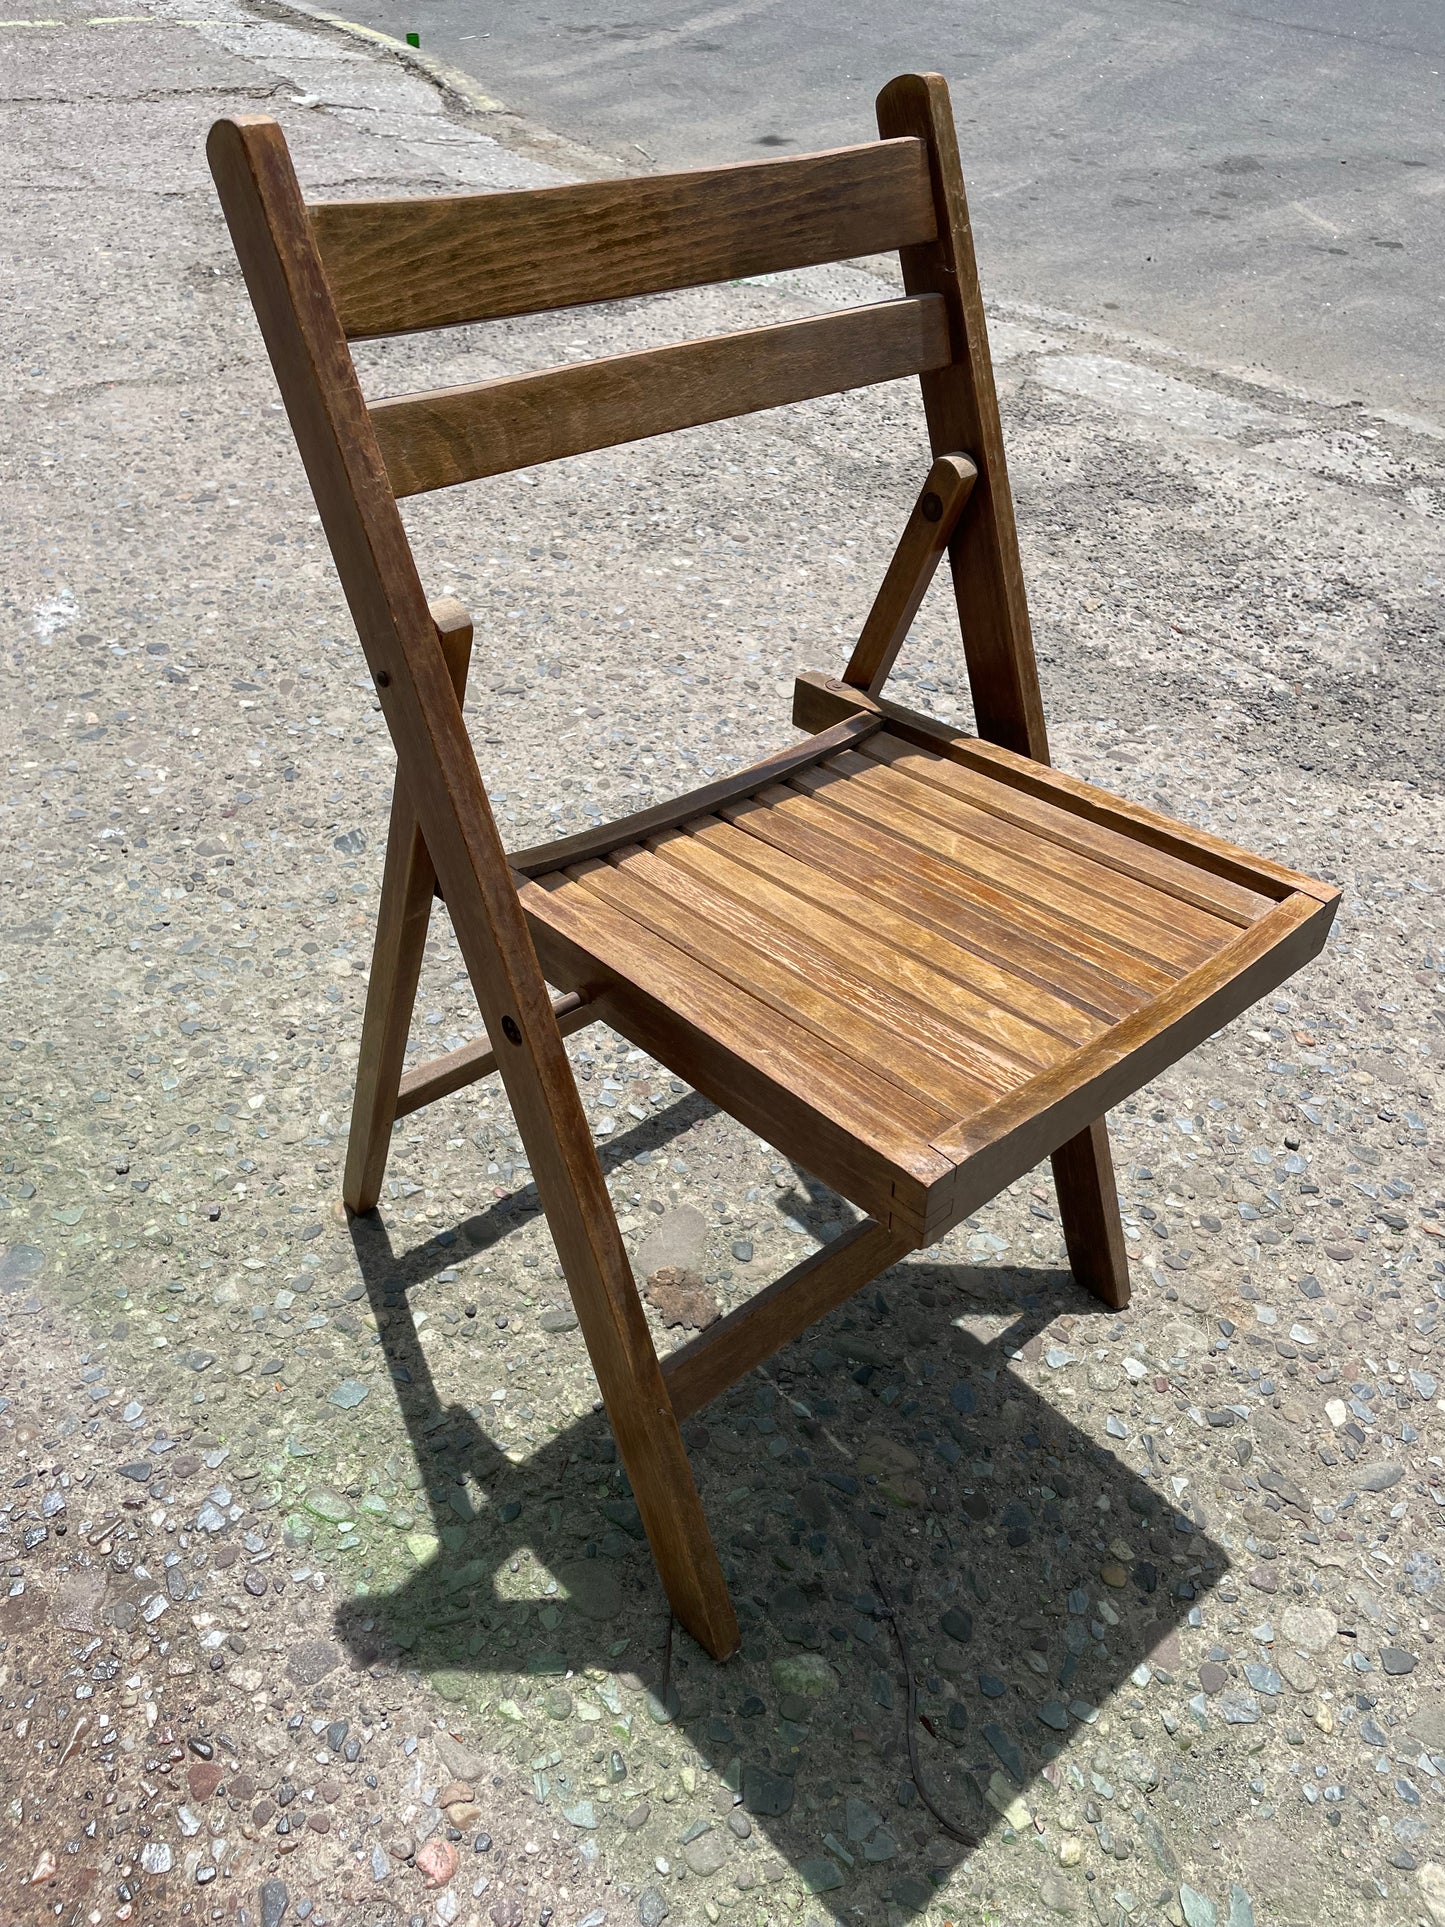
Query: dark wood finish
{"x": 1098, "y": 1256}
{"x": 962, "y": 409}
{"x": 469, "y": 1063}
{"x": 395, "y": 266}
{"x": 460, "y": 434}
{"x": 921, "y": 548}
{"x": 820, "y": 701}
{"x": 586, "y": 844}
{"x": 917, "y": 961}
{"x": 696, "y": 1372}
{"x": 277, "y": 252}
{"x": 408, "y": 883}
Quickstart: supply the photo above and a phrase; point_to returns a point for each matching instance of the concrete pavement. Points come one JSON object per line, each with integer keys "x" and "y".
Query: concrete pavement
{"x": 1201, "y": 1535}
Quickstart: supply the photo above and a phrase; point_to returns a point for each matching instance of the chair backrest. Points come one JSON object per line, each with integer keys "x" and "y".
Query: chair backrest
{"x": 398, "y": 266}
{"x": 386, "y": 267}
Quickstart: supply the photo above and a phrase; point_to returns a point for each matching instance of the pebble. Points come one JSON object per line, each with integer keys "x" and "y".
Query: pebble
{"x": 1198, "y": 1910}
{"x": 1380, "y": 1476}
{"x": 652, "y": 1909}
{"x": 766, "y": 1794}
{"x": 274, "y": 1900}
{"x": 156, "y": 1857}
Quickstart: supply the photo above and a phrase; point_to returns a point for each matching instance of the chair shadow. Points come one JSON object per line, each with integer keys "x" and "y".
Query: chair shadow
{"x": 888, "y": 1441}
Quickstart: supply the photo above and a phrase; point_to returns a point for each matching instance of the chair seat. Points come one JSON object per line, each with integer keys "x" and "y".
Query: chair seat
{"x": 911, "y": 970}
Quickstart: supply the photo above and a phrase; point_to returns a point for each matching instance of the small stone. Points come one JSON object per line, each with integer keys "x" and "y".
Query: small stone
{"x": 1379, "y": 1476}
{"x": 808, "y": 1674}
{"x": 1238, "y": 1707}
{"x": 1060, "y": 1896}
{"x": 436, "y": 1862}
{"x": 1430, "y": 1881}
{"x": 652, "y": 1909}
{"x": 1007, "y": 1751}
{"x": 336, "y": 1736}
{"x": 1241, "y": 1908}
{"x": 1395, "y": 1659}
{"x": 743, "y": 1250}
{"x": 1198, "y": 1911}
{"x": 958, "y": 1624}
{"x": 138, "y": 1469}
{"x": 705, "y": 1855}
{"x": 766, "y": 1794}
{"x": 1054, "y": 1714}
{"x": 203, "y": 1778}
{"x": 820, "y": 1875}
{"x": 44, "y": 1868}
{"x": 328, "y": 1505}
{"x": 156, "y": 1857}
{"x": 1114, "y": 1576}
{"x": 675, "y": 1243}
{"x": 1310, "y": 1629}
{"x": 349, "y": 1394}
{"x": 681, "y": 1298}
{"x": 558, "y": 1318}
{"x": 274, "y": 1902}
{"x": 591, "y": 1587}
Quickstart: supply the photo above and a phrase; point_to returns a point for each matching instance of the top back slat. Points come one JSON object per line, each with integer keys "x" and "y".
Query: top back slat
{"x": 395, "y": 266}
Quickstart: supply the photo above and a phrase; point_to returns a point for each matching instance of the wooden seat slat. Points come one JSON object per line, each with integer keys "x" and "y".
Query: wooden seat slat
{"x": 1068, "y": 907}
{"x": 896, "y": 876}
{"x": 903, "y": 956}
{"x": 1187, "y": 881}
{"x": 798, "y": 984}
{"x": 887, "y": 825}
{"x": 917, "y": 786}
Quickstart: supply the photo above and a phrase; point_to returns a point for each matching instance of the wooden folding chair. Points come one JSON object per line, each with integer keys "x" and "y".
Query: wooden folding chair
{"x": 915, "y": 961}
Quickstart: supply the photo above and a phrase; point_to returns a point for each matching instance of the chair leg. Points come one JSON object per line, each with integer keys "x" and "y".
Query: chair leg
{"x": 407, "y": 886}
{"x": 655, "y": 1459}
{"x": 629, "y": 1377}
{"x": 1089, "y": 1208}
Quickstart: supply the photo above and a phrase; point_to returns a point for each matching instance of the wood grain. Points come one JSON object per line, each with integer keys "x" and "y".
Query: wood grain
{"x": 1048, "y": 871}
{"x": 454, "y": 435}
{"x": 469, "y": 1063}
{"x": 893, "y": 950}
{"x": 920, "y": 549}
{"x": 1071, "y": 917}
{"x": 896, "y": 1042}
{"x": 1094, "y": 974}
{"x": 542, "y": 857}
{"x": 820, "y": 700}
{"x": 398, "y": 265}
{"x": 1101, "y": 842}
{"x": 276, "y": 248}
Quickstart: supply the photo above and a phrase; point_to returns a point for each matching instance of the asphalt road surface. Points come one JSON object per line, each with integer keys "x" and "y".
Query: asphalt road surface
{"x": 1262, "y": 185}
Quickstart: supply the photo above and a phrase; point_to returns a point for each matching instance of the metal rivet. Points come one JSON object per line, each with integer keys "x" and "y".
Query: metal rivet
{"x": 932, "y": 506}
{"x": 382, "y": 679}
{"x": 511, "y": 1031}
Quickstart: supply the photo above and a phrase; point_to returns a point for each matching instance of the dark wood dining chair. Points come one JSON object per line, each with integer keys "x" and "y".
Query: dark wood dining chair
{"x": 915, "y": 961}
